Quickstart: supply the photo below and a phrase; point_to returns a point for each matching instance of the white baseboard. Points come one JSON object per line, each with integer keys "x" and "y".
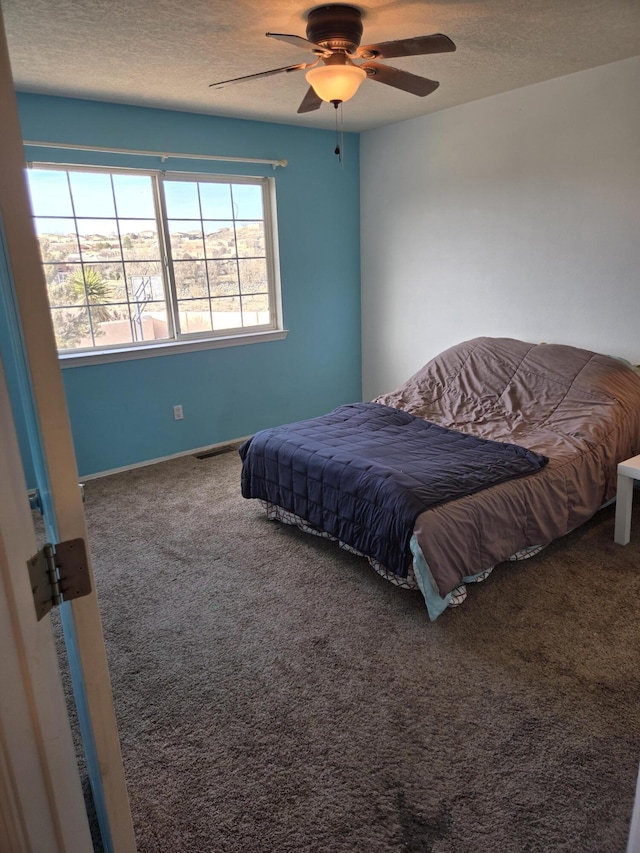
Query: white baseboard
{"x": 193, "y": 452}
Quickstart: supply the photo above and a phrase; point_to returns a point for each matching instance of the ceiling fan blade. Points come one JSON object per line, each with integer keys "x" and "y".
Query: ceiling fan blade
{"x": 411, "y": 83}
{"x": 286, "y": 68}
{"x": 417, "y": 46}
{"x": 310, "y": 102}
{"x": 299, "y": 41}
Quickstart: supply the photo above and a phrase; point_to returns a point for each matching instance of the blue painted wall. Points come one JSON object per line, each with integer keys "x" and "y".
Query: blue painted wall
{"x": 122, "y": 412}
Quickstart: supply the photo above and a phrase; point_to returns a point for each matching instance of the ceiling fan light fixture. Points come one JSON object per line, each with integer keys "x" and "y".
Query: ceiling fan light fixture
{"x": 334, "y": 83}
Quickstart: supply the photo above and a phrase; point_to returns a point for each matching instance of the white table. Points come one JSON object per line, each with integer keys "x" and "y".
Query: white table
{"x": 628, "y": 471}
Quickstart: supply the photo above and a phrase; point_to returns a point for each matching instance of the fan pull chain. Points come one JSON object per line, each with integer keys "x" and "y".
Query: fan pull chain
{"x": 337, "y": 149}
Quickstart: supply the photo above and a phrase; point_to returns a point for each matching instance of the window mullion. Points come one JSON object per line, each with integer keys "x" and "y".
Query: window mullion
{"x": 168, "y": 278}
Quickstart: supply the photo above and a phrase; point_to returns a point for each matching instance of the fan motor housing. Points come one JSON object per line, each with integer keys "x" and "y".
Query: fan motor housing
{"x": 335, "y": 27}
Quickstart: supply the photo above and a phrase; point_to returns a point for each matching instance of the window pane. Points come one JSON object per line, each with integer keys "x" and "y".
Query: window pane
{"x": 250, "y": 239}
{"x": 59, "y": 287}
{"x": 72, "y": 327}
{"x": 186, "y": 240}
{"x": 144, "y": 281}
{"x": 99, "y": 239}
{"x": 227, "y": 313}
{"x": 253, "y": 275}
{"x": 195, "y": 316}
{"x": 220, "y": 239}
{"x": 58, "y": 239}
{"x": 139, "y": 239}
{"x": 216, "y": 201}
{"x": 256, "y": 303}
{"x": 255, "y": 310}
{"x": 114, "y": 332}
{"x": 117, "y": 289}
{"x": 134, "y": 196}
{"x": 149, "y": 321}
{"x": 191, "y": 279}
{"x": 181, "y": 200}
{"x": 92, "y": 194}
{"x": 49, "y": 192}
{"x": 73, "y": 277}
{"x": 223, "y": 278}
{"x": 247, "y": 201}
{"x": 111, "y": 324}
{"x": 153, "y": 324}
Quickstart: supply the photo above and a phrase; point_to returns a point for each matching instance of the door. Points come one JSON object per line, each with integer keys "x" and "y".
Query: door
{"x": 34, "y": 362}
{"x": 41, "y": 801}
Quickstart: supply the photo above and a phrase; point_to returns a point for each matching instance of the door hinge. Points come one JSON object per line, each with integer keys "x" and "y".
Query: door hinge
{"x": 59, "y": 573}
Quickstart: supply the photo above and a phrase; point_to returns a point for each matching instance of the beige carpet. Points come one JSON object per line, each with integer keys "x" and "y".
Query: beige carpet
{"x": 275, "y": 695}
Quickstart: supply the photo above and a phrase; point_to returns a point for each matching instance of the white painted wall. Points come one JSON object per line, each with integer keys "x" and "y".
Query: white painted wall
{"x": 517, "y": 215}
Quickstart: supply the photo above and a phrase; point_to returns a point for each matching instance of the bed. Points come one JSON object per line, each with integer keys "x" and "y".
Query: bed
{"x": 492, "y": 450}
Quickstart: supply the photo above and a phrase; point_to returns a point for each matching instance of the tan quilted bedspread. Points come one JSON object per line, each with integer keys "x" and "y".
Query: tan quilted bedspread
{"x": 578, "y": 408}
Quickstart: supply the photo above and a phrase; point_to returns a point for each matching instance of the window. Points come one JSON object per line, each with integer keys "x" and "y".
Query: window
{"x": 134, "y": 259}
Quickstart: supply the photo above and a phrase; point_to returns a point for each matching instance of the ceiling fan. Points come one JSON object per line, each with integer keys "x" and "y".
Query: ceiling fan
{"x": 333, "y": 35}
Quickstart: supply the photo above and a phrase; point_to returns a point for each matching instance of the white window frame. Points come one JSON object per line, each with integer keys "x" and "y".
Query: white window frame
{"x": 185, "y": 342}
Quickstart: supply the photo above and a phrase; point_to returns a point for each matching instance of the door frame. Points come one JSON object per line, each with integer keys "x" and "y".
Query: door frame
{"x": 60, "y": 492}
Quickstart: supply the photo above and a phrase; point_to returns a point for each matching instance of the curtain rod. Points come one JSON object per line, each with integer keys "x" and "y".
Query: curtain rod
{"x": 162, "y": 155}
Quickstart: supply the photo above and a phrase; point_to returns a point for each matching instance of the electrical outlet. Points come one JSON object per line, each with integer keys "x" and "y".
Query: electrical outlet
{"x": 177, "y": 413}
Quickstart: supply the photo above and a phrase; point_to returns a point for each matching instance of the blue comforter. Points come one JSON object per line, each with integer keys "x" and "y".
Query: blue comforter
{"x": 364, "y": 472}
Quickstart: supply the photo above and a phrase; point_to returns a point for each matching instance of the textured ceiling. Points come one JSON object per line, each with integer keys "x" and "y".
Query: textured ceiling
{"x": 163, "y": 53}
